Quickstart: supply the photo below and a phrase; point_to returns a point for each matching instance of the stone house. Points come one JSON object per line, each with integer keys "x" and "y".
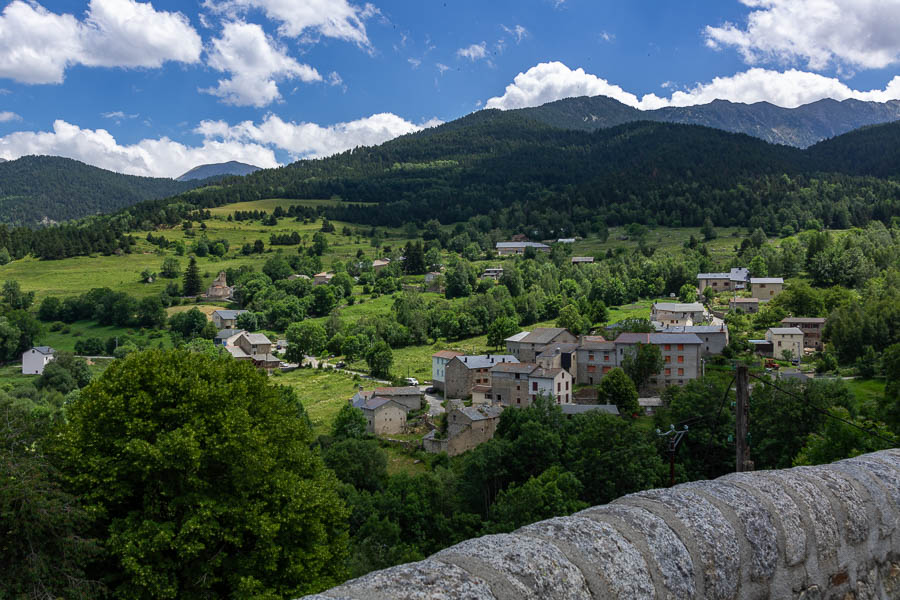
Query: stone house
{"x": 526, "y": 345}
{"x": 380, "y": 263}
{"x": 228, "y": 337}
{"x": 259, "y": 349}
{"x": 812, "y": 328}
{"x": 674, "y": 313}
{"x": 582, "y": 260}
{"x": 785, "y": 338}
{"x": 735, "y": 279}
{"x": 766, "y": 288}
{"x": 481, "y": 395}
{"x": 34, "y": 360}
{"x": 494, "y": 273}
{"x": 226, "y": 319}
{"x": 462, "y": 373}
{"x": 467, "y": 428}
{"x": 681, "y": 353}
{"x": 383, "y": 415}
{"x": 513, "y": 248}
{"x": 439, "y": 362}
{"x": 322, "y": 278}
{"x": 518, "y": 384}
{"x": 559, "y": 356}
{"x": 714, "y": 337}
{"x": 749, "y": 306}
{"x": 219, "y": 290}
{"x": 595, "y": 357}
{"x": 410, "y": 398}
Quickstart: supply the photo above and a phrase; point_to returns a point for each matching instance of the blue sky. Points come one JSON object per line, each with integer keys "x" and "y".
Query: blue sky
{"x": 155, "y": 88}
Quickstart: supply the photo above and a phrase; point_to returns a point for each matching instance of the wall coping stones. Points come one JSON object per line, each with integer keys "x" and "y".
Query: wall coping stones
{"x": 810, "y": 532}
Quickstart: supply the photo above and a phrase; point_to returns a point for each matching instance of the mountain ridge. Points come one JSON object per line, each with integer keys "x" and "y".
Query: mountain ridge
{"x": 205, "y": 171}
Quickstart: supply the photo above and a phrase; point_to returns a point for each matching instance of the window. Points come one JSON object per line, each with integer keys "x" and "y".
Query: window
{"x": 606, "y": 370}
{"x": 668, "y": 358}
{"x": 667, "y": 347}
{"x": 668, "y": 371}
{"x": 606, "y": 356}
{"x": 591, "y": 356}
{"x": 558, "y": 387}
{"x": 680, "y": 347}
{"x": 681, "y": 371}
{"x": 681, "y": 359}
{"x": 567, "y": 386}
{"x": 534, "y": 386}
{"x": 591, "y": 368}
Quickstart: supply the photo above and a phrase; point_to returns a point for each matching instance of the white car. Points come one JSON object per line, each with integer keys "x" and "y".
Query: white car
{"x": 412, "y": 381}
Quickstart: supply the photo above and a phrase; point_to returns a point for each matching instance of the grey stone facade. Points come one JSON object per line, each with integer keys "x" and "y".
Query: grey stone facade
{"x": 828, "y": 532}
{"x": 462, "y": 373}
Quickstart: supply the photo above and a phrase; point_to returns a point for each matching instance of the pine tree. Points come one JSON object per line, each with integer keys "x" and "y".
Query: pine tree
{"x": 192, "y": 278}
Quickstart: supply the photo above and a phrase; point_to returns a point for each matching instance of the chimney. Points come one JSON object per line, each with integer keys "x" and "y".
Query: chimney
{"x": 466, "y": 359}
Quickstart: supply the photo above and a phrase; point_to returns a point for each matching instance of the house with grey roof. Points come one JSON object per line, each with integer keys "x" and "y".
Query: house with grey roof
{"x": 409, "y": 397}
{"x": 513, "y": 248}
{"x": 526, "y": 345}
{"x": 676, "y": 313}
{"x": 594, "y": 358}
{"x": 383, "y": 415}
{"x": 713, "y": 337}
{"x": 259, "y": 348}
{"x": 812, "y": 328}
{"x": 439, "y": 361}
{"x": 749, "y": 306}
{"x": 562, "y": 356}
{"x": 226, "y": 319}
{"x": 681, "y": 353}
{"x": 34, "y": 360}
{"x": 464, "y": 372}
{"x": 766, "y": 288}
{"x": 228, "y": 337}
{"x": 467, "y": 428}
{"x": 785, "y": 339}
{"x": 735, "y": 279}
{"x": 518, "y": 384}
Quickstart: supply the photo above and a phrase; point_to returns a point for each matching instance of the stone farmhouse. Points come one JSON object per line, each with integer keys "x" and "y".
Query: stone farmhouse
{"x": 785, "y": 338}
{"x": 439, "y": 362}
{"x": 467, "y": 427}
{"x": 380, "y": 263}
{"x": 594, "y": 358}
{"x": 749, "y": 306}
{"x": 34, "y": 360}
{"x": 228, "y": 337}
{"x": 219, "y": 290}
{"x": 766, "y": 288}
{"x": 462, "y": 373}
{"x": 513, "y": 248}
{"x": 494, "y": 273}
{"x": 678, "y": 314}
{"x": 257, "y": 348}
{"x": 812, "y": 327}
{"x": 736, "y": 279}
{"x": 383, "y": 415}
{"x": 322, "y": 278}
{"x": 518, "y": 384}
{"x": 410, "y": 398}
{"x": 526, "y": 345}
{"x": 559, "y": 356}
{"x": 714, "y": 337}
{"x": 226, "y": 319}
{"x": 681, "y": 354}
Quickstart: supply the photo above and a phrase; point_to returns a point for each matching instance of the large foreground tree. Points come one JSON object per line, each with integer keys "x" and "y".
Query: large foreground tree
{"x": 200, "y": 477}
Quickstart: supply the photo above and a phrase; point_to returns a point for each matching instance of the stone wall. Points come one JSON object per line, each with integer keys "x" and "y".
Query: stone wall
{"x": 804, "y": 533}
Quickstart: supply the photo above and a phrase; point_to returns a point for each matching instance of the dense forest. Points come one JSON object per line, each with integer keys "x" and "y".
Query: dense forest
{"x": 528, "y": 177}
{"x": 46, "y": 189}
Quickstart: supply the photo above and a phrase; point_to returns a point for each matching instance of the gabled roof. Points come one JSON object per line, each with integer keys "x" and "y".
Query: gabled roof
{"x": 786, "y": 330}
{"x": 448, "y": 354}
{"x": 481, "y": 413}
{"x": 257, "y": 338}
{"x": 814, "y": 320}
{"x": 224, "y": 334}
{"x": 554, "y": 349}
{"x": 713, "y": 275}
{"x": 514, "y": 367}
{"x": 658, "y": 338}
{"x": 229, "y": 314}
{"x": 541, "y": 373}
{"x": 755, "y": 280}
{"x": 678, "y": 307}
{"x": 518, "y": 337}
{"x": 237, "y": 352}
{"x": 46, "y": 350}
{"x": 740, "y": 274}
{"x": 582, "y": 259}
{"x": 484, "y": 361}
{"x": 542, "y": 335}
{"x": 744, "y": 300}
{"x": 398, "y": 391}
{"x": 595, "y": 342}
{"x": 373, "y": 403}
{"x": 521, "y": 245}
{"x": 695, "y": 329}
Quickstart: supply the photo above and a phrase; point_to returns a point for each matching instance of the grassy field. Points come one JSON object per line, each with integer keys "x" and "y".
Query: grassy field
{"x": 65, "y": 341}
{"x": 867, "y": 391}
{"x": 322, "y": 393}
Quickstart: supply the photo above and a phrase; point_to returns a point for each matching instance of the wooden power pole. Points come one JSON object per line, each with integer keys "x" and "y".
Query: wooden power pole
{"x": 742, "y": 421}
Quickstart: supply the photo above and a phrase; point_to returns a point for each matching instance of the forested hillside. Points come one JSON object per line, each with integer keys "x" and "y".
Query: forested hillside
{"x": 42, "y": 189}
{"x": 523, "y": 176}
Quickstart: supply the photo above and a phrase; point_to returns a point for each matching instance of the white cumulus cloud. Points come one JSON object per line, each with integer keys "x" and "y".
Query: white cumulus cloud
{"x": 7, "y": 116}
{"x": 856, "y": 33}
{"x": 473, "y": 52}
{"x": 255, "y": 63}
{"x": 551, "y": 81}
{"x": 161, "y": 157}
{"x": 309, "y": 18}
{"x": 37, "y": 46}
{"x": 310, "y": 140}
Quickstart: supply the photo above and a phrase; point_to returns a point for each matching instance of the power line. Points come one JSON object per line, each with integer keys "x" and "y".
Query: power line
{"x": 822, "y": 410}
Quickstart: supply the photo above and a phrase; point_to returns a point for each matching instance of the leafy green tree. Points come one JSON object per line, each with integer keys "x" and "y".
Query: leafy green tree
{"x": 305, "y": 339}
{"x": 150, "y": 313}
{"x": 5, "y": 258}
{"x": 553, "y": 493}
{"x": 49, "y": 309}
{"x": 191, "y": 284}
{"x": 380, "y": 358}
{"x": 189, "y": 323}
{"x": 170, "y": 268}
{"x": 277, "y": 268}
{"x": 617, "y": 388}
{"x": 360, "y": 463}
{"x": 46, "y": 543}
{"x": 758, "y": 267}
{"x": 688, "y": 293}
{"x": 350, "y": 423}
{"x": 343, "y": 283}
{"x": 500, "y": 329}
{"x": 352, "y": 347}
{"x": 708, "y": 230}
{"x": 320, "y": 244}
{"x": 248, "y": 321}
{"x": 570, "y": 318}
{"x": 201, "y": 478}
{"x": 14, "y": 297}
{"x": 323, "y": 299}
{"x": 414, "y": 263}
{"x": 838, "y": 440}
{"x": 642, "y": 362}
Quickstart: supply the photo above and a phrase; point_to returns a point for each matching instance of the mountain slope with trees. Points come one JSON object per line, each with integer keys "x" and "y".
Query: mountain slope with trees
{"x": 231, "y": 167}
{"x": 43, "y": 189}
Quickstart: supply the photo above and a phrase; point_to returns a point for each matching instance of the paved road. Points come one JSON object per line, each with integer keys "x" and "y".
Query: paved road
{"x": 434, "y": 402}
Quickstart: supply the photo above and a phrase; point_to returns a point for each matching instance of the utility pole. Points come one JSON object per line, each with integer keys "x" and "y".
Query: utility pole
{"x": 674, "y": 436}
{"x": 742, "y": 421}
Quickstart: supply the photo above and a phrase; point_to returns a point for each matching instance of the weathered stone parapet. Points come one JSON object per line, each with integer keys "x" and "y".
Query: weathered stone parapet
{"x": 811, "y": 533}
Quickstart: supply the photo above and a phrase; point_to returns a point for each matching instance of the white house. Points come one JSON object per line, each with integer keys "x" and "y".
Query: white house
{"x": 34, "y": 361}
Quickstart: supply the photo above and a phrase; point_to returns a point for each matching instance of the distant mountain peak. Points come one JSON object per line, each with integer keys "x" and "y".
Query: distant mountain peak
{"x": 232, "y": 167}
